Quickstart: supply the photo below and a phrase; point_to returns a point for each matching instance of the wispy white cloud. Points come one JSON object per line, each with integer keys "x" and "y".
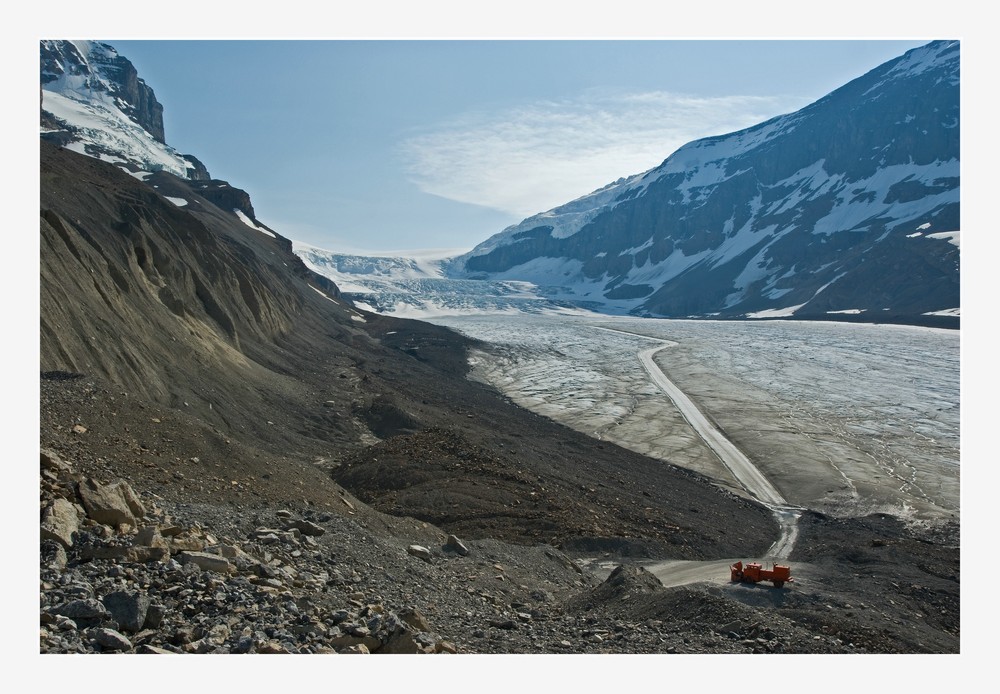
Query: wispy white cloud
{"x": 532, "y": 158}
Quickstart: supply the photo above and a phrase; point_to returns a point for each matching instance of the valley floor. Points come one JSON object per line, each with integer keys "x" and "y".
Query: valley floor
{"x": 864, "y": 585}
{"x": 843, "y": 419}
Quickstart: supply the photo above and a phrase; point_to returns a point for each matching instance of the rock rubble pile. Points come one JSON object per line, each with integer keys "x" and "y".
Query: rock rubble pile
{"x": 118, "y": 575}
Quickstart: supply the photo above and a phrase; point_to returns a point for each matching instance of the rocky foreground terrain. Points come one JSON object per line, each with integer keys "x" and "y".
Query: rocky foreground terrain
{"x": 236, "y": 460}
{"x": 152, "y": 549}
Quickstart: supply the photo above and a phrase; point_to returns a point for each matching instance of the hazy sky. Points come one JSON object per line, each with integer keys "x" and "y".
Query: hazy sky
{"x": 412, "y": 144}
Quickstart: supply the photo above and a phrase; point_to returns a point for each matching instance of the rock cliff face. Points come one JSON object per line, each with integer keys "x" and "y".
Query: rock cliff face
{"x": 848, "y": 205}
{"x": 94, "y": 101}
{"x": 103, "y": 70}
{"x": 226, "y": 197}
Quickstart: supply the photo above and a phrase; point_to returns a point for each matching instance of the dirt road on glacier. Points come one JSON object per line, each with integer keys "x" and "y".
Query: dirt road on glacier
{"x": 753, "y": 481}
{"x": 820, "y": 417}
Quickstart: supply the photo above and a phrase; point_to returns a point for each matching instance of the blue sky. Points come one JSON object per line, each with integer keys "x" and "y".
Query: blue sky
{"x": 380, "y": 145}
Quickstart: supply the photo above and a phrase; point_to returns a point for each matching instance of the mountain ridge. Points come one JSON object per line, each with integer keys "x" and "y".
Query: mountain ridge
{"x": 779, "y": 217}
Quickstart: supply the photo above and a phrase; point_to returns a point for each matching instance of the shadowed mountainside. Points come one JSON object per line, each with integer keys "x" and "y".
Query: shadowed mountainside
{"x": 189, "y": 307}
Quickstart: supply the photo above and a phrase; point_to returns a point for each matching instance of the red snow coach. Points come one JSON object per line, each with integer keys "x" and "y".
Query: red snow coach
{"x": 754, "y": 572}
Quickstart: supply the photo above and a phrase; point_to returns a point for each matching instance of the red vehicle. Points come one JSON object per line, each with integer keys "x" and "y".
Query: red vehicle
{"x": 754, "y": 572}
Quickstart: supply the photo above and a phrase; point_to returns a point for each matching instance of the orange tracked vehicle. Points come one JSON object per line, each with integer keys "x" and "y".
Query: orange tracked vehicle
{"x": 754, "y": 572}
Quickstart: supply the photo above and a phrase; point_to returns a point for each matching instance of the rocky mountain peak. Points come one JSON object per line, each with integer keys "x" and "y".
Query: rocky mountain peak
{"x": 97, "y": 67}
{"x": 94, "y": 101}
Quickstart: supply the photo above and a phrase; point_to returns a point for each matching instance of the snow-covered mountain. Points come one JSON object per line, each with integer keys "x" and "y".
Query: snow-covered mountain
{"x": 94, "y": 102}
{"x": 99, "y": 106}
{"x": 850, "y": 205}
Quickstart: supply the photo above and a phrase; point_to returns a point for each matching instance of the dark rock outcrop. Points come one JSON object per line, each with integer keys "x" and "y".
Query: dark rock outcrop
{"x": 223, "y": 195}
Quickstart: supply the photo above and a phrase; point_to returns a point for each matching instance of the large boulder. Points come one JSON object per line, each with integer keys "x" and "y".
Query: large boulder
{"x": 59, "y": 521}
{"x": 83, "y": 611}
{"x": 109, "y": 639}
{"x": 207, "y": 562}
{"x": 420, "y": 552}
{"x": 51, "y": 461}
{"x": 111, "y": 504}
{"x": 128, "y": 608}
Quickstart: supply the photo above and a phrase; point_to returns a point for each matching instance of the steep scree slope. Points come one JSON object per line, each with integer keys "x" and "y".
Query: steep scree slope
{"x": 191, "y": 308}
